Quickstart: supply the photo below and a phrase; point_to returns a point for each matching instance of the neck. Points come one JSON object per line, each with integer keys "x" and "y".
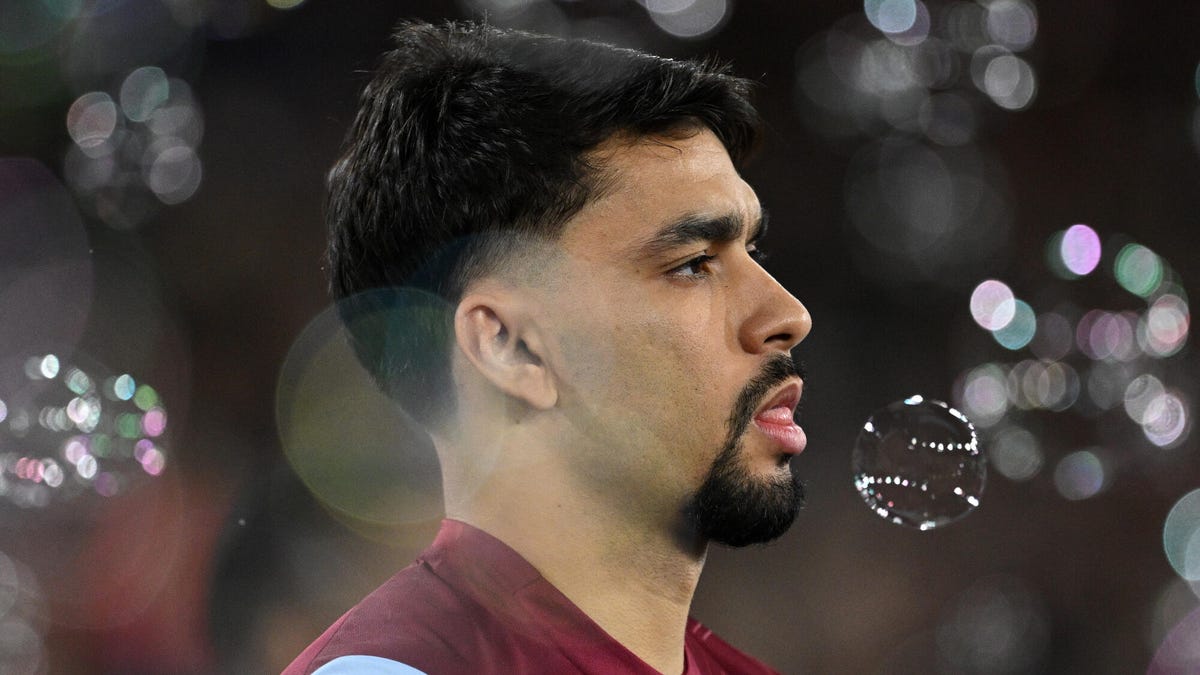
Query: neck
{"x": 633, "y": 575}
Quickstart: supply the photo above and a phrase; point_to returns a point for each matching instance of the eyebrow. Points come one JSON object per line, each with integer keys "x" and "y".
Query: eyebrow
{"x": 692, "y": 228}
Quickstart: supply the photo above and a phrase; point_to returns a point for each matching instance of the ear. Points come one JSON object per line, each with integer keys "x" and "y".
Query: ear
{"x": 502, "y": 342}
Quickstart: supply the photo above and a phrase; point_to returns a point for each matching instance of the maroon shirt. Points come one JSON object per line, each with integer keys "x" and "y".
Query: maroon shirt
{"x": 470, "y": 604}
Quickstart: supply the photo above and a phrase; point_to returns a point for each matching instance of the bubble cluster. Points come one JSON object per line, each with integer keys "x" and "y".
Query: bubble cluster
{"x": 1111, "y": 364}
{"x": 918, "y": 68}
{"x": 136, "y": 150}
{"x": 910, "y": 88}
{"x": 67, "y": 432}
{"x": 917, "y": 462}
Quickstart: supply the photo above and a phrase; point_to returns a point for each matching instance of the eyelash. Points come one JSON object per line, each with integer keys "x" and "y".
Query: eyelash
{"x": 756, "y": 254}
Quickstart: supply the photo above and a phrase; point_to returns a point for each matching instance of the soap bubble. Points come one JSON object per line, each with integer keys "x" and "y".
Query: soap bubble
{"x": 917, "y": 462}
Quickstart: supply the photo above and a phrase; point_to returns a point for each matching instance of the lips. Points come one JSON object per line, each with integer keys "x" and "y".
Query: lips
{"x": 776, "y": 419}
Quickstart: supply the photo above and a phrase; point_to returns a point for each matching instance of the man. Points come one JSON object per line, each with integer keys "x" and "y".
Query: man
{"x": 543, "y": 250}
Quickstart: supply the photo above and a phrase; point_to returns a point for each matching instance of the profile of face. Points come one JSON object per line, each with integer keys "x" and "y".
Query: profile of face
{"x": 670, "y": 345}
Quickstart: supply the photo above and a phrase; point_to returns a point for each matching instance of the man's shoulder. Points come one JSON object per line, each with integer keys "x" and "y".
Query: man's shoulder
{"x": 711, "y": 654}
{"x": 414, "y": 618}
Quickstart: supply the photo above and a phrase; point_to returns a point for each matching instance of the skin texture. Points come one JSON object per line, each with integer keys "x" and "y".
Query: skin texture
{"x": 596, "y": 382}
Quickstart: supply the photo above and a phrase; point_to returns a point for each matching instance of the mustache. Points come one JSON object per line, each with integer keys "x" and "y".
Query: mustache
{"x": 778, "y": 369}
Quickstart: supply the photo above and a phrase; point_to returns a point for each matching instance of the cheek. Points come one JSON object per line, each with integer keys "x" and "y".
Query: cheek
{"x": 664, "y": 372}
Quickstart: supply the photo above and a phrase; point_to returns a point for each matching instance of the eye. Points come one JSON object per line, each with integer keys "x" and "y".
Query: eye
{"x": 696, "y": 267}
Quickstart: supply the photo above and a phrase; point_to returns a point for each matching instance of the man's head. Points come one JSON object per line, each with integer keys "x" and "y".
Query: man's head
{"x": 561, "y": 225}
{"x": 470, "y": 148}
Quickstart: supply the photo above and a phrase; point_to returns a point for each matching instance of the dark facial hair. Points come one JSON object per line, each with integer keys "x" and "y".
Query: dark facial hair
{"x": 732, "y": 506}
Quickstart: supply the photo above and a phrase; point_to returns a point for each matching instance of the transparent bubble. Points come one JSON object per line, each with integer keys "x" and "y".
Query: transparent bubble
{"x": 917, "y": 462}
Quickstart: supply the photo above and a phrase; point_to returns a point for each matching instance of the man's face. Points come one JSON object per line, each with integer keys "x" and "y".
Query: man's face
{"x": 670, "y": 344}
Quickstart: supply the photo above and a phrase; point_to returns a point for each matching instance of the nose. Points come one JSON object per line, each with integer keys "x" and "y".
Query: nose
{"x": 777, "y": 321}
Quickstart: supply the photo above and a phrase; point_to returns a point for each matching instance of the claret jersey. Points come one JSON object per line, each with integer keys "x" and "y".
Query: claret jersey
{"x": 470, "y": 604}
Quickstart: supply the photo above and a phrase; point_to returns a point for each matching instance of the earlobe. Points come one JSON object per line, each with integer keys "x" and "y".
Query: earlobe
{"x": 501, "y": 342}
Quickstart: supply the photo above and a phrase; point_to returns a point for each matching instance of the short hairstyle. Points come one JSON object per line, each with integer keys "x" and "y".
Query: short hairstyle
{"x": 471, "y": 143}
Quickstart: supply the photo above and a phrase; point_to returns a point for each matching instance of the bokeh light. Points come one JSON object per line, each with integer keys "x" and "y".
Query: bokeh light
{"x": 142, "y": 92}
{"x": 1080, "y": 475}
{"x": 993, "y": 305}
{"x": 1016, "y": 453}
{"x": 924, "y": 212}
{"x": 1012, "y": 23}
{"x": 1080, "y": 249}
{"x": 1175, "y": 601}
{"x": 1179, "y": 652}
{"x": 122, "y": 165}
{"x": 891, "y": 16}
{"x": 1000, "y": 624}
{"x": 688, "y": 19}
{"x": 91, "y": 119}
{"x": 22, "y": 611}
{"x": 64, "y": 440}
{"x": 1010, "y": 82}
{"x": 1181, "y": 536}
{"x": 352, "y": 446}
{"x": 1088, "y": 361}
{"x": 1053, "y": 337}
{"x": 1018, "y": 332}
{"x": 1163, "y": 330}
{"x": 917, "y": 462}
{"x": 46, "y": 269}
{"x": 1138, "y": 269}
{"x": 983, "y": 392}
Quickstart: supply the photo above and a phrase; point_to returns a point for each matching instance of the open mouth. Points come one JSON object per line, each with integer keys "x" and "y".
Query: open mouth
{"x": 776, "y": 419}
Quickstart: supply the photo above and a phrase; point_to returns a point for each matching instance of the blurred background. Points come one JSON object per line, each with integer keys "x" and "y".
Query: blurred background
{"x": 992, "y": 203}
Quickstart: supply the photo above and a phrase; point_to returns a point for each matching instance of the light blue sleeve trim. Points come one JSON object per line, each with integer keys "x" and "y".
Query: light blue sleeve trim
{"x": 366, "y": 665}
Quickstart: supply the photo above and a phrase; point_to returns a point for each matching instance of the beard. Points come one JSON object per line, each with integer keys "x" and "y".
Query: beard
{"x": 732, "y": 506}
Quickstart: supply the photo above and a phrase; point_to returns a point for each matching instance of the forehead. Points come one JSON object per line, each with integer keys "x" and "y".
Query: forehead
{"x": 654, "y": 180}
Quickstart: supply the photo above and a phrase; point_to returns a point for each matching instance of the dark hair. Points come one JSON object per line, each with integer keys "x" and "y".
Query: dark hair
{"x": 472, "y": 142}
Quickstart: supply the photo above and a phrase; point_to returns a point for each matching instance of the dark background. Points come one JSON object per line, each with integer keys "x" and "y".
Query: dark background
{"x": 226, "y": 563}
